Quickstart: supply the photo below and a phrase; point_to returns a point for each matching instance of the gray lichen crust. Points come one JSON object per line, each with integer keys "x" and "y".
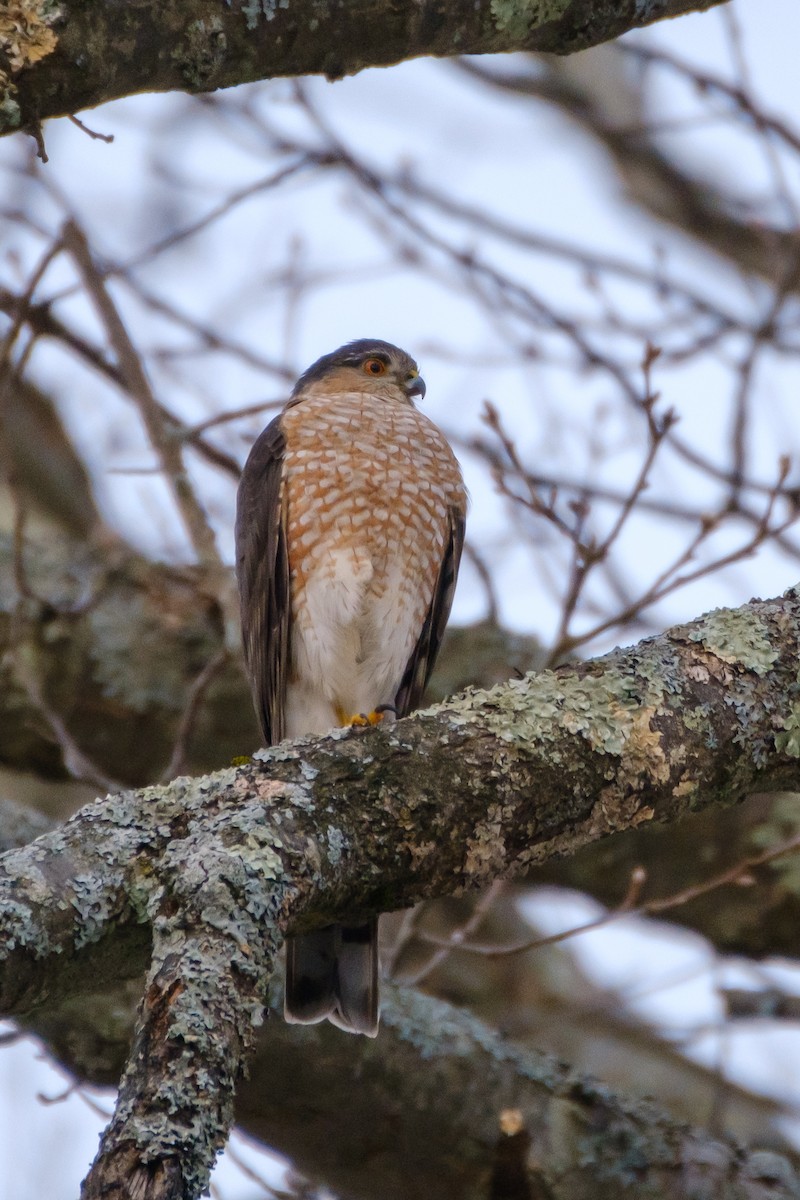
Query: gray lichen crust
{"x": 518, "y": 17}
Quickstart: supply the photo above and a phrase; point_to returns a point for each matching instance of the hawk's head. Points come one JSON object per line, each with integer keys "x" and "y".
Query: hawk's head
{"x": 367, "y": 365}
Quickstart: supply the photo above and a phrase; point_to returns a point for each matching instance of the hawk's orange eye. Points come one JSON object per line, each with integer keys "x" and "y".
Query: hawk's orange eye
{"x": 375, "y": 366}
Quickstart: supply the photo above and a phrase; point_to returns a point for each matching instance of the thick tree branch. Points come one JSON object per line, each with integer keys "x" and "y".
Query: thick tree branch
{"x": 56, "y": 58}
{"x": 118, "y": 645}
{"x": 377, "y": 1099}
{"x": 485, "y": 786}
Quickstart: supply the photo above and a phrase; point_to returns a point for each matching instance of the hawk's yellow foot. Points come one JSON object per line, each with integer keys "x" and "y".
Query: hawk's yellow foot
{"x": 363, "y": 719}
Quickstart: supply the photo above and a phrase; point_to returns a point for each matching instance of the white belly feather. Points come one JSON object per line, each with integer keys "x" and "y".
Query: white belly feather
{"x": 348, "y": 639}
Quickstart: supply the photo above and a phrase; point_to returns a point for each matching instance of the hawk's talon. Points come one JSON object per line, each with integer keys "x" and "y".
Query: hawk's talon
{"x": 365, "y": 720}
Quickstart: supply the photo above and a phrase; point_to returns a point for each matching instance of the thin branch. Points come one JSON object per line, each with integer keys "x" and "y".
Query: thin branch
{"x": 197, "y": 693}
{"x": 108, "y": 138}
{"x": 629, "y": 906}
{"x": 162, "y": 436}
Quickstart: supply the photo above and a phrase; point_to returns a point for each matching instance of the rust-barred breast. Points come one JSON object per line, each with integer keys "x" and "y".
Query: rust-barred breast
{"x": 369, "y": 488}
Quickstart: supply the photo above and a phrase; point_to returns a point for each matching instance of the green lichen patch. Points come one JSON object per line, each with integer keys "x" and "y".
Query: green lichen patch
{"x": 739, "y": 637}
{"x": 202, "y": 52}
{"x": 607, "y": 710}
{"x": 487, "y": 841}
{"x": 95, "y": 903}
{"x": 518, "y": 17}
{"x": 787, "y": 740}
{"x": 337, "y": 844}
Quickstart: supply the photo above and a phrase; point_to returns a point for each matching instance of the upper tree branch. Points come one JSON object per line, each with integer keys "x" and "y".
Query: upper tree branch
{"x": 220, "y": 868}
{"x": 56, "y": 58}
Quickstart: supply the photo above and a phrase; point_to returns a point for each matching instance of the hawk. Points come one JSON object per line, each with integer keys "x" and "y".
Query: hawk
{"x": 349, "y": 529}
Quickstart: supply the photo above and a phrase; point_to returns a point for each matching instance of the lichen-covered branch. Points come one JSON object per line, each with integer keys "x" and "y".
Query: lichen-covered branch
{"x": 58, "y": 56}
{"x": 377, "y": 1090}
{"x": 219, "y": 868}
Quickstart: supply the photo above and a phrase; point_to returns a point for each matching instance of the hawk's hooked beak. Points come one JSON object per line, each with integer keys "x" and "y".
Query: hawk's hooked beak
{"x": 415, "y": 386}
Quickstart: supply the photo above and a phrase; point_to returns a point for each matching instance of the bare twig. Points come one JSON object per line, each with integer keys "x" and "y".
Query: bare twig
{"x": 737, "y": 874}
{"x": 164, "y": 442}
{"x": 445, "y": 946}
{"x": 108, "y": 138}
{"x": 197, "y": 693}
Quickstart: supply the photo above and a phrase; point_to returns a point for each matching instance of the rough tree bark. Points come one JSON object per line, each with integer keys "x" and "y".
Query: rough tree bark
{"x": 218, "y": 869}
{"x": 59, "y": 56}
